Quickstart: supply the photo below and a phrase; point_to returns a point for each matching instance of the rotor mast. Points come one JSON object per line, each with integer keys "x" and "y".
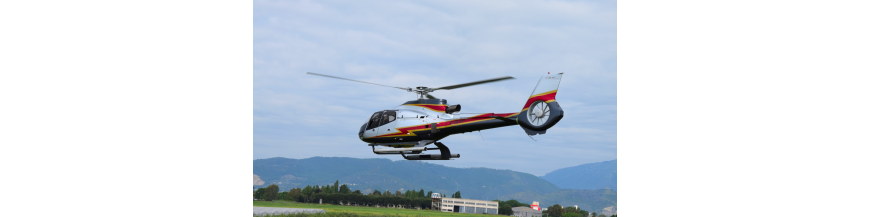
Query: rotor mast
{"x": 422, "y": 92}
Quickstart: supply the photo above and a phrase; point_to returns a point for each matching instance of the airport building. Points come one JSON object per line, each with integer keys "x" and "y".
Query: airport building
{"x": 532, "y": 211}
{"x": 464, "y": 205}
{"x": 526, "y": 212}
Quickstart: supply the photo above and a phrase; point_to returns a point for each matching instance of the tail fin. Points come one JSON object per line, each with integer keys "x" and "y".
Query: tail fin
{"x": 541, "y": 110}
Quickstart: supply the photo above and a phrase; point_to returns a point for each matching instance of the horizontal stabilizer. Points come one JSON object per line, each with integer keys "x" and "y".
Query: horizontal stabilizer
{"x": 534, "y": 132}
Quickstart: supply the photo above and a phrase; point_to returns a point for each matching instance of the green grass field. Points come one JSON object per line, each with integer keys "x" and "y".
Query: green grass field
{"x": 363, "y": 211}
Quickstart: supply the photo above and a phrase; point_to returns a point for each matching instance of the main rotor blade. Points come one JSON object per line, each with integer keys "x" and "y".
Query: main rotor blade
{"x": 473, "y": 83}
{"x": 329, "y": 76}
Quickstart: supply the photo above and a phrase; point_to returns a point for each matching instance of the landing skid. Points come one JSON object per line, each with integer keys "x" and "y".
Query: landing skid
{"x": 419, "y": 147}
{"x": 445, "y": 154}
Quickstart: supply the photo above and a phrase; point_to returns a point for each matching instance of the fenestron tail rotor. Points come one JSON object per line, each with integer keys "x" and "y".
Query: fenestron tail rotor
{"x": 423, "y": 92}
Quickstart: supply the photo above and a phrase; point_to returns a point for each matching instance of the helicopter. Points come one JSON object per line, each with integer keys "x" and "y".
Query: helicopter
{"x": 409, "y": 128}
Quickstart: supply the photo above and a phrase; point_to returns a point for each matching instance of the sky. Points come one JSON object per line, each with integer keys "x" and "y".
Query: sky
{"x": 433, "y": 44}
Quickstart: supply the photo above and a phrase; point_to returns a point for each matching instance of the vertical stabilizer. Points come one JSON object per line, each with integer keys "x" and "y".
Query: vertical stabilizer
{"x": 541, "y": 110}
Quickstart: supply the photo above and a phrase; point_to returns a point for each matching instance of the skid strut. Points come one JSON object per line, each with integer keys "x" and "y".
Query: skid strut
{"x": 445, "y": 154}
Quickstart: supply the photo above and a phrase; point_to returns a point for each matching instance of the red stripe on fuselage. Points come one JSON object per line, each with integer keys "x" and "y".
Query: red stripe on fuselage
{"x": 545, "y": 98}
{"x": 434, "y": 107}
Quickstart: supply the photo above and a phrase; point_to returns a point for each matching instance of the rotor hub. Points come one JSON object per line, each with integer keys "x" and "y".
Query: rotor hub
{"x": 539, "y": 113}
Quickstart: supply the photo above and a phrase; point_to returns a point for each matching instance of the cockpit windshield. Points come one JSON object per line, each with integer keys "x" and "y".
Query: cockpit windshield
{"x": 375, "y": 120}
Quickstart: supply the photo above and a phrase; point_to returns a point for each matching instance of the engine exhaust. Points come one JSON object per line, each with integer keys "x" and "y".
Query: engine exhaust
{"x": 453, "y": 108}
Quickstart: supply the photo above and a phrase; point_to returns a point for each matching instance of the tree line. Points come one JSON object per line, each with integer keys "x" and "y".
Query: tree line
{"x": 342, "y": 195}
{"x": 410, "y": 199}
{"x": 559, "y": 211}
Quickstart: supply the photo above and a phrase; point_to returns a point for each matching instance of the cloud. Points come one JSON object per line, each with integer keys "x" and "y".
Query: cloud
{"x": 434, "y": 43}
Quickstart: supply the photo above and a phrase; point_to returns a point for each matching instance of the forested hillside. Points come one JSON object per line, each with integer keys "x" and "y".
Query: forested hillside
{"x": 587, "y": 176}
{"x": 368, "y": 175}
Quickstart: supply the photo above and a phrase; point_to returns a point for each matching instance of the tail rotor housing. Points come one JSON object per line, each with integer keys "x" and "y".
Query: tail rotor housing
{"x": 541, "y": 110}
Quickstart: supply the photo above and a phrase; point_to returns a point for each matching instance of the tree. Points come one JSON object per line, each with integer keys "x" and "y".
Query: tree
{"x": 594, "y": 214}
{"x": 357, "y": 192}
{"x": 614, "y": 215}
{"x": 505, "y": 209}
{"x": 271, "y": 193}
{"x": 584, "y": 213}
{"x": 571, "y": 209}
{"x": 259, "y": 193}
{"x": 601, "y": 215}
{"x": 376, "y": 193}
{"x": 515, "y": 203}
{"x": 308, "y": 190}
{"x": 335, "y": 187}
{"x": 295, "y": 194}
{"x": 555, "y": 210}
{"x": 398, "y": 193}
{"x": 344, "y": 189}
{"x": 429, "y": 194}
{"x": 457, "y": 195}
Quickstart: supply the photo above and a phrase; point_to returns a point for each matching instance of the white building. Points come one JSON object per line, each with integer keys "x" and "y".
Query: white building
{"x": 526, "y": 212}
{"x": 464, "y": 205}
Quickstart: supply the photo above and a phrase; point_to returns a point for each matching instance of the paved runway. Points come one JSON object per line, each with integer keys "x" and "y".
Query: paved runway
{"x": 273, "y": 210}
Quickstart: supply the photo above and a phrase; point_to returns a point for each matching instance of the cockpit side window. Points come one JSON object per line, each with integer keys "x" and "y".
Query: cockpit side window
{"x": 388, "y": 117}
{"x": 375, "y": 120}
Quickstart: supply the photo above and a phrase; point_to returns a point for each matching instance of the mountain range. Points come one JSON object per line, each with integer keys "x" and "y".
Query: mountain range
{"x": 368, "y": 175}
{"x": 586, "y": 176}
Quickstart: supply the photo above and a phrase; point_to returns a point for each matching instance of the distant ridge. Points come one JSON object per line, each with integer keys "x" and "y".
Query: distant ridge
{"x": 367, "y": 175}
{"x": 586, "y": 176}
{"x": 383, "y": 174}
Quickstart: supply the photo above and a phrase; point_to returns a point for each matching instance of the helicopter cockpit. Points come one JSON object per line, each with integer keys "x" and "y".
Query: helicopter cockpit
{"x": 378, "y": 119}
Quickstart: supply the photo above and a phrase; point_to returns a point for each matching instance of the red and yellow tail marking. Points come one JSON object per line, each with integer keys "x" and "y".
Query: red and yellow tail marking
{"x": 410, "y": 131}
{"x": 433, "y": 107}
{"x": 548, "y": 96}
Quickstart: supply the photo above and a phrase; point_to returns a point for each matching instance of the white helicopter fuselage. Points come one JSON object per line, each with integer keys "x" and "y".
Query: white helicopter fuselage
{"x": 426, "y": 119}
